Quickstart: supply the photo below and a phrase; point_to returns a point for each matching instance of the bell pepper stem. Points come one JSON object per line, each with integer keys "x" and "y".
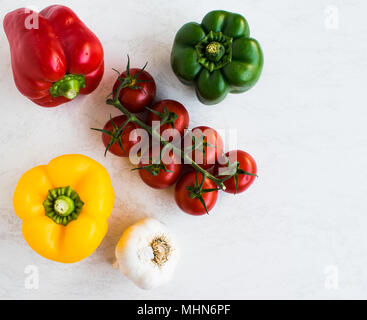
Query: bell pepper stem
{"x": 69, "y": 89}
{"x": 62, "y": 205}
{"x": 214, "y": 51}
{"x": 69, "y": 86}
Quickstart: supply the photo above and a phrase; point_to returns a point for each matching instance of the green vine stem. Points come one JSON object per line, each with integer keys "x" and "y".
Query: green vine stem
{"x": 132, "y": 118}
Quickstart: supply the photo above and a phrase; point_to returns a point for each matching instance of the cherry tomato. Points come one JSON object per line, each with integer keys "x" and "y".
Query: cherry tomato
{"x": 119, "y": 139}
{"x": 209, "y": 146}
{"x": 246, "y": 164}
{"x": 137, "y": 95}
{"x": 161, "y": 173}
{"x": 176, "y": 114}
{"x": 187, "y": 194}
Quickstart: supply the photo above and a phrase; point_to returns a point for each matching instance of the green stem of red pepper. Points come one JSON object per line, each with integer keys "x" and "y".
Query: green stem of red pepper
{"x": 68, "y": 86}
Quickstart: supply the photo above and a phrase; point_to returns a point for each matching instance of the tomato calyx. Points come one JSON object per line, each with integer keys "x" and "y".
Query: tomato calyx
{"x": 196, "y": 191}
{"x": 203, "y": 144}
{"x": 131, "y": 81}
{"x": 115, "y": 134}
{"x": 155, "y": 165}
{"x": 154, "y": 168}
{"x": 233, "y": 171}
{"x": 166, "y": 116}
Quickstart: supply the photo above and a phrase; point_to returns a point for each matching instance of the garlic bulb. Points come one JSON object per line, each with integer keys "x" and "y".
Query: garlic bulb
{"x": 147, "y": 253}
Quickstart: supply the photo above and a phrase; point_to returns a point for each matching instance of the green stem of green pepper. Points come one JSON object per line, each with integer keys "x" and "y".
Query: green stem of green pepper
{"x": 214, "y": 51}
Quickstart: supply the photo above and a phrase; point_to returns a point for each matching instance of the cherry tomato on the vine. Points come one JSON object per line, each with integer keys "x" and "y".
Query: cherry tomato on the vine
{"x": 239, "y": 164}
{"x": 116, "y": 138}
{"x": 139, "y": 92}
{"x": 207, "y": 145}
{"x": 174, "y": 113}
{"x": 194, "y": 196}
{"x": 159, "y": 171}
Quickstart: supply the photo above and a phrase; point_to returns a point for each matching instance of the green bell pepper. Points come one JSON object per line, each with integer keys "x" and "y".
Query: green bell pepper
{"x": 217, "y": 56}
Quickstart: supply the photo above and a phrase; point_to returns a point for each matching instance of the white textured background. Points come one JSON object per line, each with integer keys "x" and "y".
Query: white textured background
{"x": 304, "y": 122}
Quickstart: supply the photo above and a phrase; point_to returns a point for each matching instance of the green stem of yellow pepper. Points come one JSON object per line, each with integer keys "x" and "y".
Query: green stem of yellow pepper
{"x": 63, "y": 205}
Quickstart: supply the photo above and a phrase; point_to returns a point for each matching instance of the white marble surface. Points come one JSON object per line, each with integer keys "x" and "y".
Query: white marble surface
{"x": 304, "y": 122}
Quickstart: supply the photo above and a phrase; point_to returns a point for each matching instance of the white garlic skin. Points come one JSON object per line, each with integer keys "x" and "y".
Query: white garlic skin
{"x": 135, "y": 256}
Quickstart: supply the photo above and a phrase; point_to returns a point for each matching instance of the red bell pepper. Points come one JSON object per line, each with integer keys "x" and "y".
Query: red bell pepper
{"x": 54, "y": 55}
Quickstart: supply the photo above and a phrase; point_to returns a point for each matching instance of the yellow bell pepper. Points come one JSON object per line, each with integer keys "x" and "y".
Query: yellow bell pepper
{"x": 64, "y": 207}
